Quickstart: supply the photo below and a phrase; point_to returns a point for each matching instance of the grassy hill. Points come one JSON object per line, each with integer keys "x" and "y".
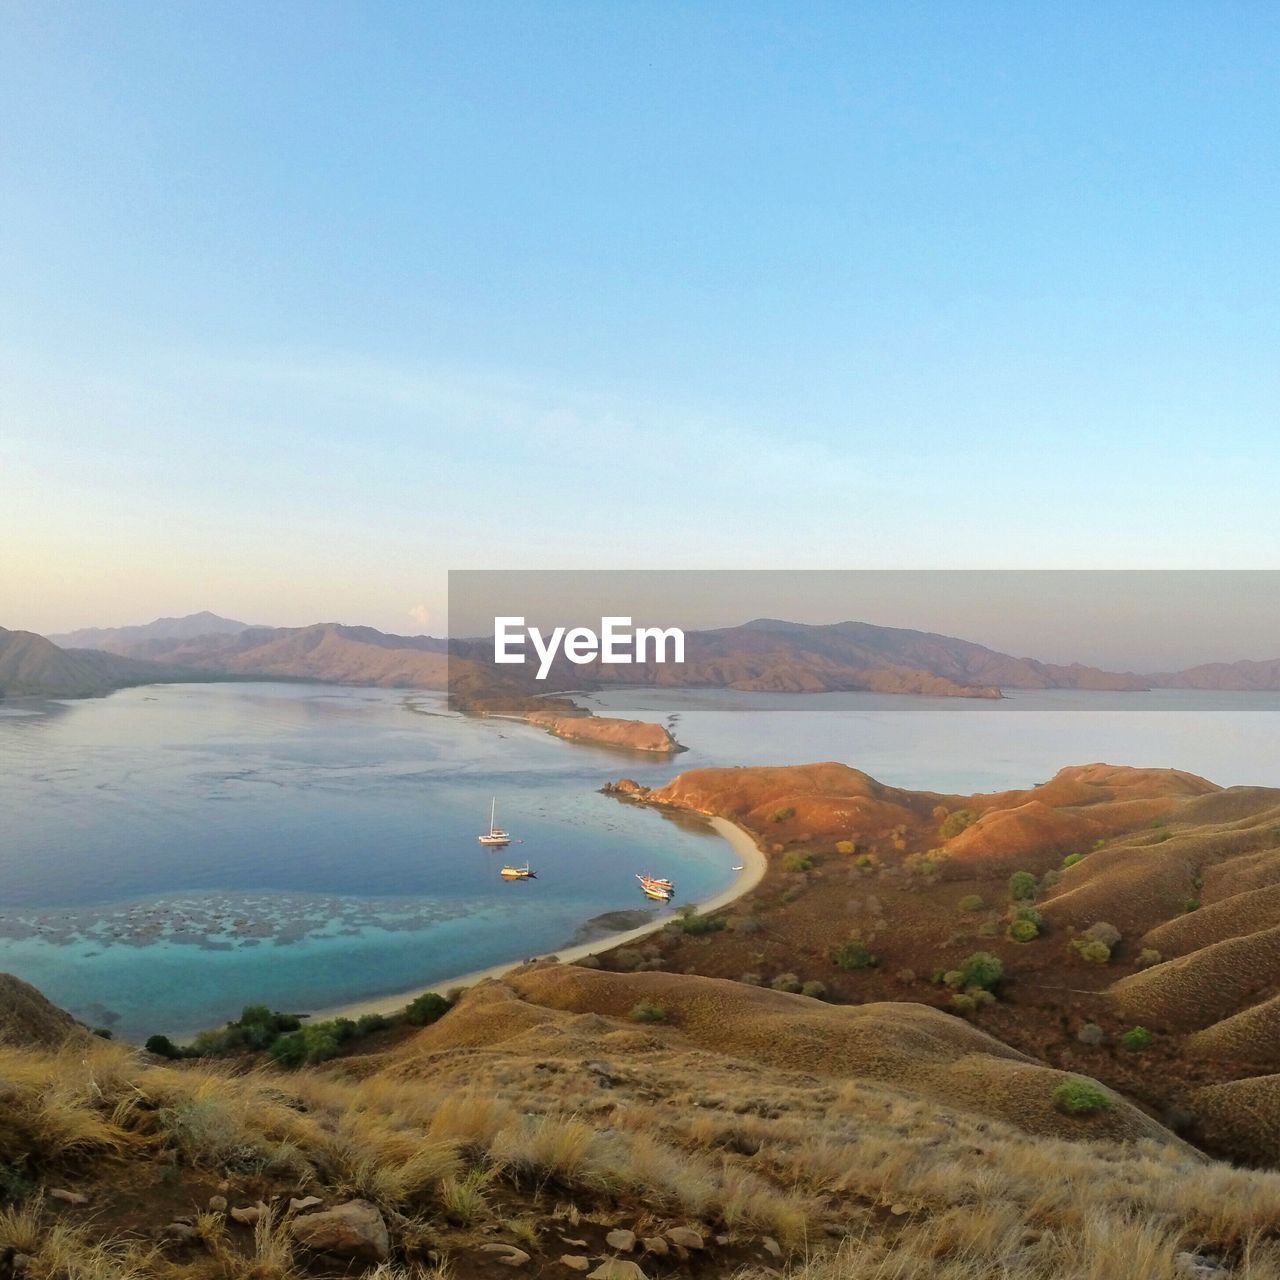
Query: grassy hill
{"x": 653, "y": 1125}
{"x": 1129, "y": 919}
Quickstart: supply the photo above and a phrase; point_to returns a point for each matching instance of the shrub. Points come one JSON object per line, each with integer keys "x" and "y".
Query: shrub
{"x": 1191, "y": 904}
{"x": 628, "y": 959}
{"x": 162, "y": 1047}
{"x": 1091, "y": 1034}
{"x": 103, "y": 1033}
{"x": 853, "y": 954}
{"x": 1023, "y": 931}
{"x": 752, "y": 979}
{"x": 1102, "y": 932}
{"x": 1019, "y": 912}
{"x": 786, "y": 982}
{"x": 1080, "y": 1098}
{"x": 1072, "y": 858}
{"x": 814, "y": 989}
{"x": 797, "y": 861}
{"x": 845, "y": 846}
{"x": 971, "y": 902}
{"x": 781, "y": 815}
{"x": 368, "y": 1023}
{"x": 648, "y": 1011}
{"x": 429, "y": 1007}
{"x": 697, "y": 925}
{"x": 1137, "y": 1039}
{"x": 963, "y": 1004}
{"x": 954, "y": 823}
{"x": 1092, "y": 952}
{"x": 1147, "y": 957}
{"x": 982, "y": 970}
{"x": 1023, "y": 886}
{"x": 988, "y": 929}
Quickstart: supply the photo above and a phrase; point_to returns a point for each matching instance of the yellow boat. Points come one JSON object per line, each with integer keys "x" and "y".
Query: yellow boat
{"x": 518, "y": 873}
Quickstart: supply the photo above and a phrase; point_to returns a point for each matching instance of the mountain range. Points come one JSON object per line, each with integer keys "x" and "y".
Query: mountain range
{"x": 765, "y": 655}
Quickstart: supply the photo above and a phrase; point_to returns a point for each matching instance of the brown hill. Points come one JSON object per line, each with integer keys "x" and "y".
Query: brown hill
{"x": 31, "y": 666}
{"x": 1251, "y": 1036}
{"x": 908, "y": 1045}
{"x": 1180, "y": 878}
{"x": 326, "y": 651}
{"x": 27, "y": 1018}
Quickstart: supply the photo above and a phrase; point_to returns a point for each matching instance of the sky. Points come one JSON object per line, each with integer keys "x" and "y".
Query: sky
{"x": 304, "y": 304}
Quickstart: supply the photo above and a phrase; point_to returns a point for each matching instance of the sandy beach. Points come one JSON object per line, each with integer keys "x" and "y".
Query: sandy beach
{"x": 753, "y": 869}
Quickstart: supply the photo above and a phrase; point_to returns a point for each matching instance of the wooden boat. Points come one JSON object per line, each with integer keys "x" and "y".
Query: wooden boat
{"x": 659, "y": 890}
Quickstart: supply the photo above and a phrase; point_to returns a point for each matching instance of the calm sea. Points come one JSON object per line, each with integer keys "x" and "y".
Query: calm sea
{"x": 170, "y": 854}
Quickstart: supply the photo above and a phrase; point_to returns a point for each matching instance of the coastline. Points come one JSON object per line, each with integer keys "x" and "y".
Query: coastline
{"x": 754, "y": 865}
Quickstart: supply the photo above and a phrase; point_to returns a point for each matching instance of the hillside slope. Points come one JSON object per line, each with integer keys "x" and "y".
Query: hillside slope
{"x": 538, "y": 1129}
{"x": 31, "y": 666}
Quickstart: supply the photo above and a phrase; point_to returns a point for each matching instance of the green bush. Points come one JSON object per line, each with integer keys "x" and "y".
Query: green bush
{"x": 1072, "y": 858}
{"x": 1147, "y": 957}
{"x": 162, "y": 1047}
{"x": 697, "y": 925}
{"x": 971, "y": 902}
{"x": 1020, "y": 912}
{"x": 1080, "y": 1098}
{"x": 317, "y": 1042}
{"x": 103, "y": 1033}
{"x": 1023, "y": 886}
{"x": 368, "y": 1023}
{"x": 797, "y": 861}
{"x": 1092, "y": 952}
{"x": 1023, "y": 931}
{"x": 429, "y": 1007}
{"x": 963, "y": 1003}
{"x": 648, "y": 1011}
{"x": 954, "y": 823}
{"x": 1137, "y": 1039}
{"x": 853, "y": 954}
{"x": 786, "y": 982}
{"x": 1191, "y": 904}
{"x": 1102, "y": 932}
{"x": 982, "y": 970}
{"x": 815, "y": 990}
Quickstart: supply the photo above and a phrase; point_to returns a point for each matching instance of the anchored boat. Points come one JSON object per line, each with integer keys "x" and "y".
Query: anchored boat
{"x": 660, "y": 890}
{"x": 494, "y": 837}
{"x": 518, "y": 873}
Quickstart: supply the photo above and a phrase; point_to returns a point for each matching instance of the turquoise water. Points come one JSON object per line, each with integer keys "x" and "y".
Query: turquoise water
{"x": 170, "y": 854}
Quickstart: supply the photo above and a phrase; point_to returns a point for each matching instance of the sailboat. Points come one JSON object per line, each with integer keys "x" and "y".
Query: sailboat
{"x": 494, "y": 837}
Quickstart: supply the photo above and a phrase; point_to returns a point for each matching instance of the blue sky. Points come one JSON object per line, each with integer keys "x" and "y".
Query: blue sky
{"x": 304, "y": 304}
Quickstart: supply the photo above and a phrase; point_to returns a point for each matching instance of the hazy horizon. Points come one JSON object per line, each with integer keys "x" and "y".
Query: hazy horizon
{"x": 1145, "y": 622}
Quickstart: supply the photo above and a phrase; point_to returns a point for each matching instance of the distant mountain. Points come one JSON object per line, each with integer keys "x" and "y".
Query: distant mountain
{"x": 125, "y": 639}
{"x": 768, "y": 655}
{"x": 765, "y": 655}
{"x": 1226, "y": 676}
{"x": 326, "y": 651}
{"x": 32, "y": 666}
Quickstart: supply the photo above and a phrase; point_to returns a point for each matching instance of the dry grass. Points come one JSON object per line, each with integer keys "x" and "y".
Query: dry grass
{"x": 466, "y": 1141}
